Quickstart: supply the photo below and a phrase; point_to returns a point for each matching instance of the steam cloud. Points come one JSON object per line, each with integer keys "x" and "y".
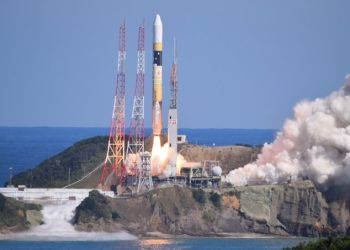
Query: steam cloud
{"x": 315, "y": 144}
{"x": 57, "y": 227}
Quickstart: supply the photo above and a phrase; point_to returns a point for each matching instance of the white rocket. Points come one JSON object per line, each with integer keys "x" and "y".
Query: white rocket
{"x": 157, "y": 120}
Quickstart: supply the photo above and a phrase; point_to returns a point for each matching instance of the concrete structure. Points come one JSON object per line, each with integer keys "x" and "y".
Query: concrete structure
{"x": 181, "y": 139}
{"x": 32, "y": 194}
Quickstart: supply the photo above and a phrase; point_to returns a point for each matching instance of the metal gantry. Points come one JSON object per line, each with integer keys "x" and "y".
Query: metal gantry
{"x": 145, "y": 182}
{"x": 113, "y": 171}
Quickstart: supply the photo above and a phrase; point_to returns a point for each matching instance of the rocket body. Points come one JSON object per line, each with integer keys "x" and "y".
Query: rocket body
{"x": 157, "y": 119}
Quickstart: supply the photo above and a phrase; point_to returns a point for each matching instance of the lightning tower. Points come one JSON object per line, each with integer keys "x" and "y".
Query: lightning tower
{"x": 113, "y": 171}
{"x": 136, "y": 135}
{"x": 172, "y": 121}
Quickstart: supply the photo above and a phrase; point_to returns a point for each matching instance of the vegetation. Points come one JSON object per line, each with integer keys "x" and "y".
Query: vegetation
{"x": 95, "y": 206}
{"x": 80, "y": 159}
{"x": 244, "y": 145}
{"x": 199, "y": 195}
{"x": 13, "y": 212}
{"x": 331, "y": 243}
{"x": 215, "y": 198}
{"x": 233, "y": 193}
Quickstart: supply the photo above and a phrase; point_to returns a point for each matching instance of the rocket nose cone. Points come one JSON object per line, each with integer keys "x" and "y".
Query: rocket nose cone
{"x": 158, "y": 30}
{"x": 157, "y": 21}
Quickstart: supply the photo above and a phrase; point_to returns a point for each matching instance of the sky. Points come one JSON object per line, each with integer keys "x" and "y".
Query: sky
{"x": 242, "y": 64}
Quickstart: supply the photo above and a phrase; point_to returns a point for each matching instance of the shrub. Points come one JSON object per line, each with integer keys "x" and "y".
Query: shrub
{"x": 215, "y": 198}
{"x": 199, "y": 196}
{"x": 336, "y": 243}
{"x": 95, "y": 206}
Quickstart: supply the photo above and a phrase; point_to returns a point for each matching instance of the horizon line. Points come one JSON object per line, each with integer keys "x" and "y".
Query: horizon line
{"x": 98, "y": 127}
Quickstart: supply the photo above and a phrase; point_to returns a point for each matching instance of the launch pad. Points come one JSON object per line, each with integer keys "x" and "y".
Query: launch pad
{"x": 128, "y": 168}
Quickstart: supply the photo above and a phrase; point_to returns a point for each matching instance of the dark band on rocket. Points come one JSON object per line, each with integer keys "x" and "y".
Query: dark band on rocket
{"x": 157, "y": 58}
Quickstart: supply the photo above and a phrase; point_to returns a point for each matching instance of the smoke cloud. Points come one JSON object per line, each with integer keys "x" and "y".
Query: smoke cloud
{"x": 57, "y": 227}
{"x": 315, "y": 145}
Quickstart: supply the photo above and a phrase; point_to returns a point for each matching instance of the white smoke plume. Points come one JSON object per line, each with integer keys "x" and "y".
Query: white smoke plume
{"x": 57, "y": 227}
{"x": 315, "y": 144}
{"x": 160, "y": 160}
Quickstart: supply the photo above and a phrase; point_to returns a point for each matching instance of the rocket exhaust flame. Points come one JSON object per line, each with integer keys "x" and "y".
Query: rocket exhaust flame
{"x": 315, "y": 144}
{"x": 160, "y": 159}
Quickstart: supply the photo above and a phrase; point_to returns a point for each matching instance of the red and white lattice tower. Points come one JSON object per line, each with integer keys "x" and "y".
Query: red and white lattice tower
{"x": 113, "y": 171}
{"x": 136, "y": 135}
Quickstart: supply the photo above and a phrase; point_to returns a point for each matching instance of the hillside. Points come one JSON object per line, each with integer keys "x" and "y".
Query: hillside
{"x": 230, "y": 157}
{"x": 289, "y": 209}
{"x": 80, "y": 158}
{"x": 86, "y": 155}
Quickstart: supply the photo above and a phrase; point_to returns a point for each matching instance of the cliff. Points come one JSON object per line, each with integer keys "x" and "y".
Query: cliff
{"x": 18, "y": 216}
{"x": 294, "y": 209}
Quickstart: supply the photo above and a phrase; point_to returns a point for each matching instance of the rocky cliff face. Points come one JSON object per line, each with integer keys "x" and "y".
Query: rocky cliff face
{"x": 18, "y": 216}
{"x": 295, "y": 209}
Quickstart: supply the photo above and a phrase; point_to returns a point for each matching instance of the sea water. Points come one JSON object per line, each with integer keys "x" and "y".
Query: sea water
{"x": 158, "y": 244}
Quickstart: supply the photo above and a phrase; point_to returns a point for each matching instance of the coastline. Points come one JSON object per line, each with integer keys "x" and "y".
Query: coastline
{"x": 160, "y": 235}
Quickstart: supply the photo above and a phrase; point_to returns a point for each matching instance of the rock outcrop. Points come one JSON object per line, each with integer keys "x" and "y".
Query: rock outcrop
{"x": 289, "y": 209}
{"x": 18, "y": 216}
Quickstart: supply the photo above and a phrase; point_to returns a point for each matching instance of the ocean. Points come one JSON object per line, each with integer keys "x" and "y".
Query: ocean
{"x": 23, "y": 148}
{"x": 159, "y": 244}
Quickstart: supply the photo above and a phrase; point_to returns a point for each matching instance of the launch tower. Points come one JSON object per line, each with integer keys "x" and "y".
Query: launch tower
{"x": 136, "y": 135}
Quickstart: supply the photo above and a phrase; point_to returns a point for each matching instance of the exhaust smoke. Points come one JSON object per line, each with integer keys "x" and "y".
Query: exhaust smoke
{"x": 315, "y": 145}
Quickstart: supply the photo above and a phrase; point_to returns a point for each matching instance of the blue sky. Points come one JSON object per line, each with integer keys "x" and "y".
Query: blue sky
{"x": 242, "y": 64}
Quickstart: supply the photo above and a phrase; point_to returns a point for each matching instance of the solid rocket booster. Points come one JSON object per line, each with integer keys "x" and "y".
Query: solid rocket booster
{"x": 157, "y": 120}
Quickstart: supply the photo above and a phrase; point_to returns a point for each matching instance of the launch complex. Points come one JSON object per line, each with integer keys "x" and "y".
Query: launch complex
{"x": 128, "y": 168}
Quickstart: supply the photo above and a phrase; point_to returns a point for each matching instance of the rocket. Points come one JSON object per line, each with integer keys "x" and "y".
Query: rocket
{"x": 157, "y": 120}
